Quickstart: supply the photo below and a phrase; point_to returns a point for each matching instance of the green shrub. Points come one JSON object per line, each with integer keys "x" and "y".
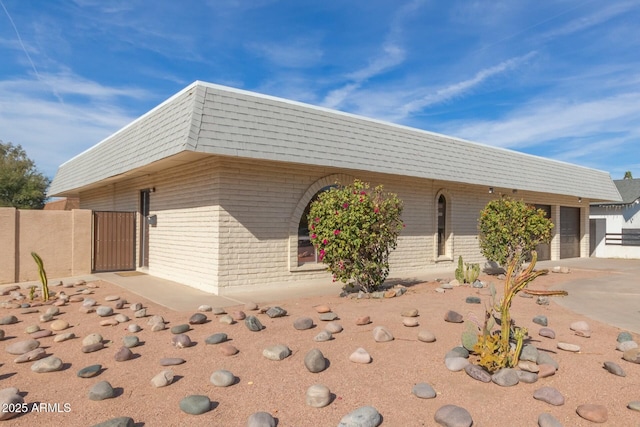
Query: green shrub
{"x": 353, "y": 230}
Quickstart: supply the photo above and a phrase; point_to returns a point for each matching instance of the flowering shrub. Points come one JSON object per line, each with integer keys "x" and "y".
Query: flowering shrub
{"x": 354, "y": 229}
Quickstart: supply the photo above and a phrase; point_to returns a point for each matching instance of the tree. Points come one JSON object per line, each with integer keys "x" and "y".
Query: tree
{"x": 21, "y": 185}
{"x": 354, "y": 230}
{"x": 511, "y": 229}
{"x": 628, "y": 175}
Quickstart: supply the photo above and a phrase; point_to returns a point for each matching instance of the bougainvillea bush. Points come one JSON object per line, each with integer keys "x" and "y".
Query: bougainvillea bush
{"x": 353, "y": 229}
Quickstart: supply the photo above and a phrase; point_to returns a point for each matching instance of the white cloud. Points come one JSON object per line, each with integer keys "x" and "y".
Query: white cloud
{"x": 301, "y": 53}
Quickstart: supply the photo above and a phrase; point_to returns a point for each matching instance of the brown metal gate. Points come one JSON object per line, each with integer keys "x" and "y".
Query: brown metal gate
{"x": 114, "y": 241}
{"x": 569, "y": 232}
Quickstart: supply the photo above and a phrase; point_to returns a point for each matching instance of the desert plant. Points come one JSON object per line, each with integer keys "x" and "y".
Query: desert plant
{"x": 509, "y": 232}
{"x": 354, "y": 229}
{"x": 459, "y": 273}
{"x": 43, "y": 276}
{"x": 467, "y": 272}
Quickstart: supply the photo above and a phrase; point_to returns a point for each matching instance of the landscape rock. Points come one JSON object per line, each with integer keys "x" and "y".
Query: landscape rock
{"x": 92, "y": 347}
{"x": 473, "y": 300}
{"x": 632, "y": 355}
{"x": 8, "y": 320}
{"x": 614, "y": 368}
{"x": 130, "y": 341}
{"x": 547, "y": 420}
{"x": 42, "y": 334}
{"x": 546, "y": 359}
{"x": 104, "y": 311}
{"x": 455, "y": 364}
{"x": 547, "y": 333}
{"x": 626, "y": 345}
{"x": 11, "y": 403}
{"x": 303, "y": 323}
{"x": 22, "y": 347}
{"x": 541, "y": 320}
{"x": 426, "y": 336}
{"x": 505, "y": 377}
{"x": 181, "y": 341}
{"x": 477, "y": 373}
{"x": 581, "y": 328}
{"x": 227, "y": 319}
{"x": 274, "y": 312}
{"x": 92, "y": 339}
{"x": 574, "y": 348}
{"x": 253, "y": 324}
{"x": 382, "y": 334}
{"x": 423, "y": 391}
{"x": 453, "y": 317}
{"x": 227, "y": 349}
{"x": 315, "y": 361}
{"x": 410, "y": 322}
{"x": 365, "y": 416}
{"x": 59, "y": 325}
{"x": 48, "y": 364}
{"x": 549, "y": 395}
{"x": 89, "y": 371}
{"x": 162, "y": 379}
{"x": 123, "y": 354}
{"x": 410, "y": 312}
{"x": 197, "y": 319}
{"x": 222, "y": 378}
{"x": 30, "y": 356}
{"x": 195, "y": 404}
{"x": 318, "y": 396}
{"x": 328, "y": 317}
{"x": 546, "y": 370}
{"x": 333, "y": 327}
{"x": 276, "y": 352}
{"x": 453, "y": 416}
{"x": 593, "y": 413}
{"x": 261, "y": 419}
{"x": 360, "y": 356}
{"x": 117, "y": 422}
{"x": 64, "y": 337}
{"x": 527, "y": 377}
{"x": 323, "y": 336}
{"x": 624, "y": 336}
{"x": 171, "y": 361}
{"x": 216, "y": 338}
{"x": 180, "y": 329}
{"x": 363, "y": 320}
{"x": 238, "y": 315}
{"x": 205, "y": 308}
{"x": 529, "y": 353}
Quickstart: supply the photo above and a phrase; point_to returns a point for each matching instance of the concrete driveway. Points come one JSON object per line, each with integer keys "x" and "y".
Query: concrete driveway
{"x": 612, "y": 298}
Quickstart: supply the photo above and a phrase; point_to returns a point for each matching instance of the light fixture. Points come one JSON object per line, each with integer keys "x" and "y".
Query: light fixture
{"x": 579, "y": 199}
{"x": 490, "y": 190}
{"x": 514, "y": 191}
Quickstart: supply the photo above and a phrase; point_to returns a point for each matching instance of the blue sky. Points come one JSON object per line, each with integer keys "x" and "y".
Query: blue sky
{"x": 559, "y": 79}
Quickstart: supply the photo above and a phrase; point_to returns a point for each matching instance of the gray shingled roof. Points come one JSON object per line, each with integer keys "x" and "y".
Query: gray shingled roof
{"x": 629, "y": 190}
{"x": 211, "y": 119}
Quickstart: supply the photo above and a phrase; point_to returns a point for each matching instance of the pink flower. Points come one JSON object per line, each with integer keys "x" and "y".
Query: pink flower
{"x": 313, "y": 236}
{"x": 322, "y": 253}
{"x": 325, "y": 241}
{"x": 362, "y": 193}
{"x": 376, "y": 209}
{"x": 313, "y": 227}
{"x": 336, "y": 232}
{"x": 345, "y": 205}
{"x": 317, "y": 220}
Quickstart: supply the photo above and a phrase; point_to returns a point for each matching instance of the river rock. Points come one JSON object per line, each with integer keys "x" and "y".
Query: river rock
{"x": 453, "y": 317}
{"x": 426, "y": 336}
{"x": 222, "y": 378}
{"x": 205, "y": 308}
{"x": 274, "y": 312}
{"x": 626, "y": 345}
{"x": 41, "y": 334}
{"x": 382, "y": 334}
{"x": 547, "y": 333}
{"x": 423, "y": 391}
{"x": 216, "y": 338}
{"x": 365, "y": 416}
{"x": 318, "y": 396}
{"x": 22, "y": 347}
{"x": 593, "y": 413}
{"x": 323, "y": 336}
{"x": 477, "y": 373}
{"x": 195, "y": 404}
{"x": 59, "y": 325}
{"x": 171, "y": 361}
{"x": 333, "y": 327}
{"x": 549, "y": 395}
{"x": 360, "y": 356}
{"x": 11, "y": 402}
{"x": 410, "y": 322}
{"x": 92, "y": 339}
{"x": 30, "y": 356}
{"x": 545, "y": 359}
{"x": 541, "y": 320}
{"x": 261, "y": 419}
{"x": 92, "y": 347}
{"x": 227, "y": 349}
{"x": 363, "y": 320}
{"x": 276, "y": 352}
{"x": 546, "y": 370}
{"x": 121, "y": 318}
{"x": 453, "y": 416}
{"x": 181, "y": 341}
{"x": 197, "y": 319}
{"x": 529, "y": 353}
{"x": 253, "y": 324}
{"x": 130, "y": 341}
{"x": 101, "y": 391}
{"x": 624, "y": 336}
{"x": 527, "y": 377}
{"x": 123, "y": 354}
{"x": 574, "y": 348}
{"x": 250, "y": 306}
{"x": 315, "y": 361}
{"x": 104, "y": 311}
{"x": 303, "y": 323}
{"x": 409, "y": 312}
{"x": 8, "y": 320}
{"x": 581, "y": 328}
{"x": 64, "y": 337}
{"x": 632, "y": 355}
{"x": 48, "y": 364}
{"x": 180, "y": 329}
{"x": 505, "y": 377}
{"x": 89, "y": 371}
{"x": 133, "y": 328}
{"x": 547, "y": 420}
{"x": 162, "y": 379}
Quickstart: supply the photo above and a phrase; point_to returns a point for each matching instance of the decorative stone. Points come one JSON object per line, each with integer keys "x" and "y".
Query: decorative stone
{"x": 547, "y": 420}
{"x": 22, "y": 347}
{"x": 632, "y": 355}
{"x": 457, "y": 352}
{"x": 130, "y": 341}
{"x": 121, "y": 318}
{"x": 615, "y": 369}
{"x": 541, "y": 320}
{"x": 365, "y": 416}
{"x": 227, "y": 349}
{"x": 453, "y": 317}
{"x": 48, "y": 364}
{"x": 303, "y": 323}
{"x": 111, "y": 298}
{"x": 205, "y": 308}
{"x": 423, "y": 391}
{"x": 123, "y": 354}
{"x": 318, "y": 396}
{"x": 218, "y": 311}
{"x": 274, "y": 312}
{"x": 333, "y": 327}
{"x": 162, "y": 379}
{"x": 581, "y": 328}
{"x": 453, "y": 416}
{"x": 104, "y": 311}
{"x": 181, "y": 341}
{"x": 547, "y": 333}
{"x": 634, "y": 405}
{"x": 32, "y": 328}
{"x": 180, "y": 329}
{"x": 382, "y": 334}
{"x": 593, "y": 413}
{"x": 626, "y": 345}
{"x": 455, "y": 364}
{"x": 410, "y": 312}
{"x": 473, "y": 300}
{"x": 250, "y": 306}
{"x": 222, "y": 378}
{"x": 195, "y": 404}
{"x": 261, "y": 419}
{"x": 134, "y": 328}
{"x": 171, "y": 361}
{"x": 315, "y": 361}
{"x": 276, "y": 352}
{"x": 360, "y": 356}
{"x": 64, "y": 337}
{"x": 156, "y": 318}
{"x": 89, "y": 371}
{"x": 574, "y": 348}
{"x": 477, "y": 373}
{"x": 546, "y": 370}
{"x": 11, "y": 402}
{"x": 545, "y": 359}
{"x": 505, "y": 377}
{"x": 426, "y": 336}
{"x": 253, "y": 324}
{"x": 140, "y": 313}
{"x": 135, "y": 306}
{"x": 410, "y": 322}
{"x": 42, "y": 334}
{"x": 216, "y": 338}
{"x": 238, "y": 315}
{"x": 197, "y": 319}
{"x": 528, "y": 366}
{"x": 527, "y": 377}
{"x": 8, "y": 320}
{"x": 30, "y": 356}
{"x": 322, "y": 308}
{"x": 101, "y": 391}
{"x": 624, "y": 336}
{"x": 323, "y": 336}
{"x": 120, "y": 304}
{"x": 109, "y": 322}
{"x": 549, "y": 395}
{"x": 363, "y": 320}
{"x": 328, "y": 317}
{"x": 159, "y": 326}
{"x": 529, "y": 353}
{"x": 226, "y": 319}
{"x": 92, "y": 339}
{"x": 92, "y": 347}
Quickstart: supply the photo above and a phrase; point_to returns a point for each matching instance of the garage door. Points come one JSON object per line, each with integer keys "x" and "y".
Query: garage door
{"x": 569, "y": 232}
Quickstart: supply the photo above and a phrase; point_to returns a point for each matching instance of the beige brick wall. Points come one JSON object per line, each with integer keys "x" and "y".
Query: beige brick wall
{"x": 226, "y": 224}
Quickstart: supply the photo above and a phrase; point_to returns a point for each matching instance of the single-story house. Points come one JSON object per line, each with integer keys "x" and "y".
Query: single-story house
{"x": 218, "y": 181}
{"x": 615, "y": 226}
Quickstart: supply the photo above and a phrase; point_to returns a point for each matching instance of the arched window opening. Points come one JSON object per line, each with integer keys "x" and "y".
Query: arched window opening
{"x": 306, "y": 251}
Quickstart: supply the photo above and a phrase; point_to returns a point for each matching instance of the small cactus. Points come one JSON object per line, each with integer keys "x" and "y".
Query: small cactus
{"x": 43, "y": 276}
{"x": 460, "y": 270}
{"x": 470, "y": 335}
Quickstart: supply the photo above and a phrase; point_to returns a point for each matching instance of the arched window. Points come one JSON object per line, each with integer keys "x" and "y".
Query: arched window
{"x": 306, "y": 251}
{"x": 442, "y": 225}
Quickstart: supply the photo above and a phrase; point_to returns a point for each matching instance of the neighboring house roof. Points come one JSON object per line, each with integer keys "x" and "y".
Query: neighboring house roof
{"x": 629, "y": 190}
{"x": 205, "y": 119}
{"x": 65, "y": 204}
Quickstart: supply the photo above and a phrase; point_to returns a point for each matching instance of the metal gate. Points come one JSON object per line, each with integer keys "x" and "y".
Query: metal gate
{"x": 569, "y": 232}
{"x": 114, "y": 241}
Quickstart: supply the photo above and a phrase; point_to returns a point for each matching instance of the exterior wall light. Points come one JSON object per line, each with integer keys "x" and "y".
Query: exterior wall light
{"x": 490, "y": 190}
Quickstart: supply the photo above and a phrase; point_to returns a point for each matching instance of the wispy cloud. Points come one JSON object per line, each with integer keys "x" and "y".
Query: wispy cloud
{"x": 299, "y": 53}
